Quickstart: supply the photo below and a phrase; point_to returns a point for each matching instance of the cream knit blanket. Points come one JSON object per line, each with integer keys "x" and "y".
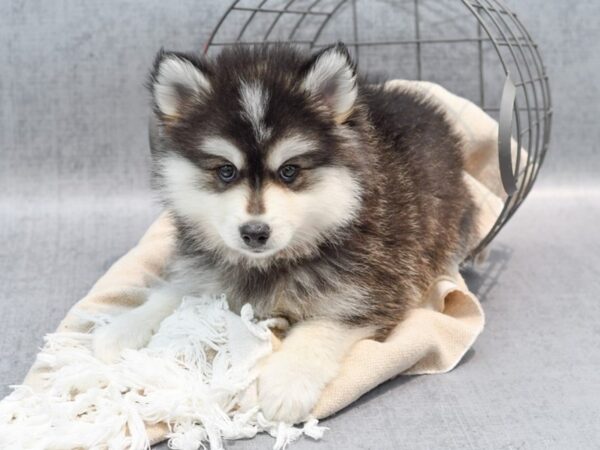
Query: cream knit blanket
{"x": 432, "y": 339}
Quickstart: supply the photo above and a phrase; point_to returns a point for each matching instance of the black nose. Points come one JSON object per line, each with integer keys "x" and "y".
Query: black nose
{"x": 255, "y": 234}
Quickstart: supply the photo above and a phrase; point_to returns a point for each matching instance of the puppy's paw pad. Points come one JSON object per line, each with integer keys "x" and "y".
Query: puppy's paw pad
{"x": 287, "y": 392}
{"x": 110, "y": 340}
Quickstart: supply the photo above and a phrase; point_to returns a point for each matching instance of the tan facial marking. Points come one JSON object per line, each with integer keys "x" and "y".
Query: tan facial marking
{"x": 256, "y": 204}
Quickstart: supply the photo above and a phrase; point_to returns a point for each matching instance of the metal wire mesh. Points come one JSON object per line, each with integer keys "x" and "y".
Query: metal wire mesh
{"x": 478, "y": 49}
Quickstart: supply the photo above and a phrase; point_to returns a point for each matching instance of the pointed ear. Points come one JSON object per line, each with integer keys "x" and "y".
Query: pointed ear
{"x": 177, "y": 80}
{"x": 331, "y": 76}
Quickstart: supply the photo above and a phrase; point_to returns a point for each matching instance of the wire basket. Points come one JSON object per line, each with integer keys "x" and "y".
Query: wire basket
{"x": 475, "y": 48}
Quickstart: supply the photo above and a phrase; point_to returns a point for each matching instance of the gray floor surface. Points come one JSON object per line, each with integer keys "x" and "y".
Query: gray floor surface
{"x": 74, "y": 197}
{"x": 531, "y": 380}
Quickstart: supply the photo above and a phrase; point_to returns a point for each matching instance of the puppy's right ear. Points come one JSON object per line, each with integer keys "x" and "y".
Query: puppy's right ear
{"x": 177, "y": 81}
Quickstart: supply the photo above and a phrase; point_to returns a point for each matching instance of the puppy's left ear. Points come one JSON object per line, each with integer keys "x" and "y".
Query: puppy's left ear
{"x": 176, "y": 82}
{"x": 331, "y": 77}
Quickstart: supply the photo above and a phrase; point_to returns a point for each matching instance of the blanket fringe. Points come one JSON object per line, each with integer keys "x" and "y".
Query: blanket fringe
{"x": 192, "y": 376}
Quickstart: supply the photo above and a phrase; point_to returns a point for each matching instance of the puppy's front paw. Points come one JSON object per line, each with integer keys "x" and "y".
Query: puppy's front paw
{"x": 287, "y": 391}
{"x": 126, "y": 331}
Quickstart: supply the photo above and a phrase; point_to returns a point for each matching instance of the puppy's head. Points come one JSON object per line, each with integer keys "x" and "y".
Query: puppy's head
{"x": 256, "y": 150}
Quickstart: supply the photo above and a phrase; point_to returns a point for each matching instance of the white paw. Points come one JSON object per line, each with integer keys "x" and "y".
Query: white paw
{"x": 287, "y": 390}
{"x": 126, "y": 331}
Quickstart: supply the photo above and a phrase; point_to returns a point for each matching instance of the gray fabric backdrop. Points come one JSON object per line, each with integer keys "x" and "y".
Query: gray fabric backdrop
{"x": 74, "y": 196}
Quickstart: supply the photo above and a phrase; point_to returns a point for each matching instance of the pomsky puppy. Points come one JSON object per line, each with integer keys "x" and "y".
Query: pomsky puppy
{"x": 299, "y": 188}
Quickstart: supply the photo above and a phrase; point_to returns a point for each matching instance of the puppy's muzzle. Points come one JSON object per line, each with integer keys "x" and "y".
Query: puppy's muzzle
{"x": 255, "y": 234}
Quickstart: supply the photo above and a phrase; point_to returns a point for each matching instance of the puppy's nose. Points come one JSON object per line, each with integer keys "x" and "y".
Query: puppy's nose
{"x": 255, "y": 234}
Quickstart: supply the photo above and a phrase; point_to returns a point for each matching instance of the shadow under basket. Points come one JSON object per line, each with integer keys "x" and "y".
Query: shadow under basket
{"x": 476, "y": 49}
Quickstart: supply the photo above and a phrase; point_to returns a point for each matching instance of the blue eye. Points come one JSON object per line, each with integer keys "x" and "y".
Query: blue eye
{"x": 288, "y": 173}
{"x": 227, "y": 173}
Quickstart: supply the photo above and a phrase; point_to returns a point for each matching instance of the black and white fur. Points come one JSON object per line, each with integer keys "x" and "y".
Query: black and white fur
{"x": 306, "y": 192}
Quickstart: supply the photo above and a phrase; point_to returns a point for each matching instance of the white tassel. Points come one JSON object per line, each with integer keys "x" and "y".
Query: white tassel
{"x": 193, "y": 376}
